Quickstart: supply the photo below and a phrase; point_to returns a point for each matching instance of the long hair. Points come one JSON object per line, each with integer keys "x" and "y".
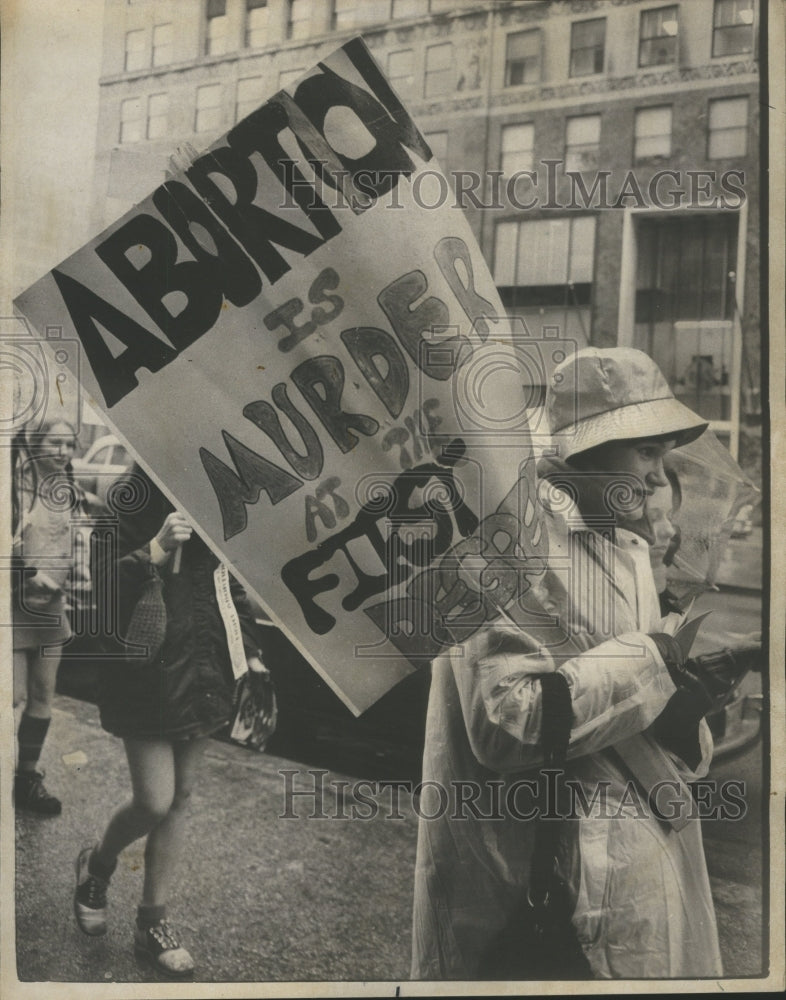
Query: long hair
{"x": 24, "y": 473}
{"x": 676, "y": 503}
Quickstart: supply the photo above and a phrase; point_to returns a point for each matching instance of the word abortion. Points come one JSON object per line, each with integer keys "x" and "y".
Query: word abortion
{"x": 246, "y": 239}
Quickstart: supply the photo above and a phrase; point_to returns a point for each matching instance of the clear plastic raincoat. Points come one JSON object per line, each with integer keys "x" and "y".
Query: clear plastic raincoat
{"x": 642, "y": 898}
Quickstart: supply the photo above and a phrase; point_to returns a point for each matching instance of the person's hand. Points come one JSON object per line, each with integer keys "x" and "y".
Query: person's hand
{"x": 671, "y": 654}
{"x": 40, "y": 585}
{"x": 174, "y": 531}
{"x": 676, "y": 728}
{"x": 721, "y": 671}
{"x": 39, "y": 590}
{"x": 255, "y": 665}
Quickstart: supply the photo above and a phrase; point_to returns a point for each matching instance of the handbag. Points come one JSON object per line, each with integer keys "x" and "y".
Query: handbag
{"x": 539, "y": 940}
{"x": 255, "y": 710}
{"x": 147, "y": 624}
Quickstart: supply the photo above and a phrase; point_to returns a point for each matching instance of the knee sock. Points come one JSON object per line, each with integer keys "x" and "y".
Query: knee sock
{"x": 95, "y": 867}
{"x": 31, "y": 736}
{"x": 148, "y": 914}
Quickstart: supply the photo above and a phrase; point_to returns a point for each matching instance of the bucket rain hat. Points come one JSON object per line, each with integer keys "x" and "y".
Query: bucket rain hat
{"x": 614, "y": 394}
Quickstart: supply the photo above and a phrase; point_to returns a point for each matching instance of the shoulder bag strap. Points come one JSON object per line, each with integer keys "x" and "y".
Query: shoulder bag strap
{"x": 557, "y": 721}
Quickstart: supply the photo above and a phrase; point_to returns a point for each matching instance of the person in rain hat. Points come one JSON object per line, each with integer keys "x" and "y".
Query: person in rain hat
{"x": 640, "y": 894}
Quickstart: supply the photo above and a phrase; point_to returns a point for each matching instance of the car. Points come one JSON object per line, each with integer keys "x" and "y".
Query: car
{"x": 102, "y": 463}
{"x": 743, "y": 523}
{"x": 738, "y": 724}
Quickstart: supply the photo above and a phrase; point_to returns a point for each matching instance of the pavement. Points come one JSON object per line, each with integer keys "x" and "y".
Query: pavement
{"x": 258, "y": 897}
{"x": 262, "y": 898}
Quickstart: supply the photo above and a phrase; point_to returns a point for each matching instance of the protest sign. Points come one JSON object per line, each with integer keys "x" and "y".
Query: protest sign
{"x": 314, "y": 365}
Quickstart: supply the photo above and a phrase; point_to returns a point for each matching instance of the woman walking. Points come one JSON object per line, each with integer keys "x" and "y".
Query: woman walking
{"x": 163, "y": 708}
{"x": 638, "y": 884}
{"x": 45, "y": 498}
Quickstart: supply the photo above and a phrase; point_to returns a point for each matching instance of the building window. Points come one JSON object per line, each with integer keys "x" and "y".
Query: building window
{"x": 216, "y": 32}
{"x": 406, "y": 8}
{"x": 401, "y": 69}
{"x": 132, "y": 120}
{"x": 144, "y": 118}
{"x": 732, "y": 27}
{"x": 157, "y": 112}
{"x": 587, "y": 43}
{"x": 136, "y": 56}
{"x": 439, "y": 145}
{"x": 582, "y": 142}
{"x": 162, "y": 44}
{"x": 685, "y": 305}
{"x": 658, "y": 36}
{"x": 256, "y": 24}
{"x": 545, "y": 252}
{"x": 345, "y": 14}
{"x": 289, "y": 76}
{"x": 728, "y": 127}
{"x": 652, "y": 133}
{"x": 208, "y": 108}
{"x": 440, "y": 75}
{"x": 544, "y": 271}
{"x": 516, "y": 146}
{"x": 299, "y": 19}
{"x": 250, "y": 94}
{"x": 522, "y": 57}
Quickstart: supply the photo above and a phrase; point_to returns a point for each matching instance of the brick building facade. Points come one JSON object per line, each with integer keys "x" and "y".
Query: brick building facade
{"x": 605, "y": 151}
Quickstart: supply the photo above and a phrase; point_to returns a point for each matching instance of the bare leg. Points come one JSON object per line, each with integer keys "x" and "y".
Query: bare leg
{"x": 151, "y": 764}
{"x": 41, "y": 678}
{"x": 165, "y": 841}
{"x": 20, "y": 677}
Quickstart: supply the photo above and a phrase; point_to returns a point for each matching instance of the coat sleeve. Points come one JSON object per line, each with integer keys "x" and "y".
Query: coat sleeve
{"x": 617, "y": 689}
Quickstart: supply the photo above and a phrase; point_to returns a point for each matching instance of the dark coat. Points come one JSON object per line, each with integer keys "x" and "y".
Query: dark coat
{"x": 188, "y": 689}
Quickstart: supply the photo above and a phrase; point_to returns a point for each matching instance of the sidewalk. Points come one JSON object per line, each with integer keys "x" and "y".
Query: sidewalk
{"x": 261, "y": 898}
{"x": 258, "y": 898}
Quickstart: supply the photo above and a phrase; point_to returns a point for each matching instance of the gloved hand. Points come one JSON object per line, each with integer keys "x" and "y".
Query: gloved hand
{"x": 714, "y": 673}
{"x": 703, "y": 683}
{"x": 676, "y": 728}
{"x": 721, "y": 672}
{"x": 671, "y": 653}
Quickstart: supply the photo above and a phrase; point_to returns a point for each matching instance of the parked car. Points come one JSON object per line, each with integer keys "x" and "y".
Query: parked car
{"x": 743, "y": 524}
{"x": 102, "y": 463}
{"x": 738, "y": 724}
